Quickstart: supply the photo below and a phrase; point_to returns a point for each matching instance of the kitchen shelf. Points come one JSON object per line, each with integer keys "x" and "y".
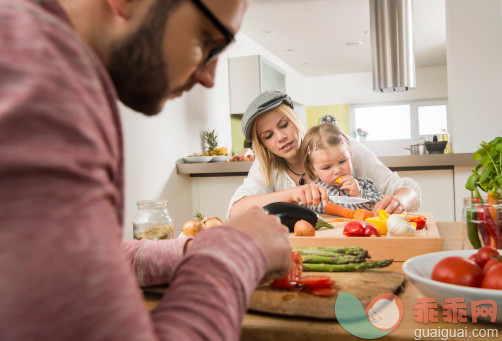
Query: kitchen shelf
{"x": 396, "y": 163}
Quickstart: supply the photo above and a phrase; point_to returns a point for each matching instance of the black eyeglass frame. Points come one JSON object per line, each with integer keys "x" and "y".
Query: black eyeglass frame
{"x": 229, "y": 36}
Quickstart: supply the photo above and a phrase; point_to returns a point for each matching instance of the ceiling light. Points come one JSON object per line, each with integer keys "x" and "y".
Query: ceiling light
{"x": 392, "y": 45}
{"x": 291, "y": 50}
{"x": 268, "y": 31}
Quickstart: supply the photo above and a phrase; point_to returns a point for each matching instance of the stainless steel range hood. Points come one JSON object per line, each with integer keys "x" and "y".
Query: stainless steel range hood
{"x": 392, "y": 45}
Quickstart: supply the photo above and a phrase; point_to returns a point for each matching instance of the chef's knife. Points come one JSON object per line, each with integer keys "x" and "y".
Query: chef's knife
{"x": 336, "y": 199}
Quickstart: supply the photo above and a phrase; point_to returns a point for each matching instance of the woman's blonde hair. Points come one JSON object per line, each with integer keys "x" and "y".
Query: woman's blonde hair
{"x": 322, "y": 136}
{"x": 268, "y": 160}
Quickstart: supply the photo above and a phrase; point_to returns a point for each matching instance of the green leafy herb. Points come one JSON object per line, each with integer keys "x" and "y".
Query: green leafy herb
{"x": 487, "y": 174}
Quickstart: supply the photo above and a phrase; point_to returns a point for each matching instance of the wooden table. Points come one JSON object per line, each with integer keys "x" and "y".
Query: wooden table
{"x": 277, "y": 328}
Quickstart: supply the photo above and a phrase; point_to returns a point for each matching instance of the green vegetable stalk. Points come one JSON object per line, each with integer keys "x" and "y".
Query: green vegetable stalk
{"x": 340, "y": 259}
{"x": 472, "y": 227}
{"x": 321, "y": 223}
{"x": 347, "y": 267}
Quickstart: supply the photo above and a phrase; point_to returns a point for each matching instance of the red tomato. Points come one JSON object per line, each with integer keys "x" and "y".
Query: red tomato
{"x": 295, "y": 271}
{"x": 297, "y": 265}
{"x": 322, "y": 291}
{"x": 493, "y": 278}
{"x": 313, "y": 280}
{"x": 489, "y": 264}
{"x": 316, "y": 281}
{"x": 457, "y": 270}
{"x": 472, "y": 258}
{"x": 484, "y": 255}
{"x": 283, "y": 283}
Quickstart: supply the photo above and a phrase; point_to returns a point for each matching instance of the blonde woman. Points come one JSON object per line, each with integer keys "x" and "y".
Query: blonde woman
{"x": 278, "y": 173}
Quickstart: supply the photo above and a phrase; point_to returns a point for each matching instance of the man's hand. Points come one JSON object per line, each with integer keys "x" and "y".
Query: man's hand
{"x": 272, "y": 236}
{"x": 309, "y": 194}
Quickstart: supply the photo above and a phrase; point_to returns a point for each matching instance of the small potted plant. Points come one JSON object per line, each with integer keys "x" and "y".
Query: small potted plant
{"x": 483, "y": 213}
{"x": 359, "y": 134}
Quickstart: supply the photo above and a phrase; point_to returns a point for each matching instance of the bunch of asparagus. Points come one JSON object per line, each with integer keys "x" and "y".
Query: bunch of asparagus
{"x": 337, "y": 259}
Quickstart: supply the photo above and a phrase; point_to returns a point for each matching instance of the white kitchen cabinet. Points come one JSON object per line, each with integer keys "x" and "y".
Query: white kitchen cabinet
{"x": 211, "y": 195}
{"x": 248, "y": 77}
{"x": 438, "y": 195}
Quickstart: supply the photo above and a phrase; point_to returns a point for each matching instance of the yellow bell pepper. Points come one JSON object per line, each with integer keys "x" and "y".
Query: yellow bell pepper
{"x": 380, "y": 225}
{"x": 383, "y": 215}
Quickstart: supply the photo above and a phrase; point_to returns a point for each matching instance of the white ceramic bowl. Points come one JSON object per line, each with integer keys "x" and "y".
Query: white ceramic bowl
{"x": 419, "y": 270}
{"x": 220, "y": 158}
{"x": 197, "y": 159}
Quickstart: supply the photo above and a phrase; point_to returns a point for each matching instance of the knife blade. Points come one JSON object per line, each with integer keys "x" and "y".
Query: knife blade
{"x": 336, "y": 199}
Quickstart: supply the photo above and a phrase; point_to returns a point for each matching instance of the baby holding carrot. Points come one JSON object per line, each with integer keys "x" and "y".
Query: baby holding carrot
{"x": 326, "y": 156}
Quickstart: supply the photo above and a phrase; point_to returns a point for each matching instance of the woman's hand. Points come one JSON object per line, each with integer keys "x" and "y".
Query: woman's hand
{"x": 390, "y": 204}
{"x": 309, "y": 194}
{"x": 350, "y": 185}
{"x": 404, "y": 199}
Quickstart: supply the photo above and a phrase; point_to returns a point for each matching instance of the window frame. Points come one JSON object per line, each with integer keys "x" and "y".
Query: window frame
{"x": 396, "y": 147}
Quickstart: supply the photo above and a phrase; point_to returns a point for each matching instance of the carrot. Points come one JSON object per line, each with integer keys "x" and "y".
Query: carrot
{"x": 493, "y": 201}
{"x": 334, "y": 209}
{"x": 337, "y": 220}
{"x": 361, "y": 214}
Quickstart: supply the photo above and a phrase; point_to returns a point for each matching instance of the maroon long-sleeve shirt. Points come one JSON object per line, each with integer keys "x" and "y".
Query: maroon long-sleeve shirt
{"x": 64, "y": 272}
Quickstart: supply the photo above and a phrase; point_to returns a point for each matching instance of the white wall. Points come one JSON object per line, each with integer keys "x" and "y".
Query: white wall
{"x": 153, "y": 144}
{"x": 358, "y": 88}
{"x": 474, "y": 58}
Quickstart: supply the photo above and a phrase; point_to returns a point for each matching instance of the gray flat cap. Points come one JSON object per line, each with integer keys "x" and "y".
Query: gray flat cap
{"x": 264, "y": 102}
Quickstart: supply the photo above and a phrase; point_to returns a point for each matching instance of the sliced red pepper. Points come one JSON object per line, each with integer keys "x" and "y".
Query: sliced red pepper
{"x": 487, "y": 228}
{"x": 420, "y": 220}
{"x": 321, "y": 291}
{"x": 496, "y": 240}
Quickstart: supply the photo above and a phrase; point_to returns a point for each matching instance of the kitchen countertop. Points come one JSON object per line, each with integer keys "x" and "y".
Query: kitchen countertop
{"x": 257, "y": 326}
{"x": 396, "y": 163}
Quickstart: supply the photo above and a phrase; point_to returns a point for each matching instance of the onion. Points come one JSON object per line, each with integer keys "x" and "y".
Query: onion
{"x": 304, "y": 228}
{"x": 192, "y": 227}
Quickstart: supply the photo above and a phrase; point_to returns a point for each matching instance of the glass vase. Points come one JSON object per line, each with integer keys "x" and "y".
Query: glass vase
{"x": 483, "y": 222}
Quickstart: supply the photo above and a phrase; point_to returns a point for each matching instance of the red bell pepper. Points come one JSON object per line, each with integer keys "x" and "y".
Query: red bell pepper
{"x": 360, "y": 228}
{"x": 420, "y": 220}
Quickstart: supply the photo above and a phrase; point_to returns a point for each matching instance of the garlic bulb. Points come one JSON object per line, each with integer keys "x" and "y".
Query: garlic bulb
{"x": 399, "y": 226}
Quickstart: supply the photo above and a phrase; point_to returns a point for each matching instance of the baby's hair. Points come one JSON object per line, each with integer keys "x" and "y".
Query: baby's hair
{"x": 322, "y": 136}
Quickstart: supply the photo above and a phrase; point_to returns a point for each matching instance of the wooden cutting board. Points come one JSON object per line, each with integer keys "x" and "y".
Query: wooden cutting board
{"x": 398, "y": 248}
{"x": 364, "y": 285}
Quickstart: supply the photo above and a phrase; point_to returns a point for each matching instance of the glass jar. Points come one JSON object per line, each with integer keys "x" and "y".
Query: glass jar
{"x": 482, "y": 223}
{"x": 152, "y": 221}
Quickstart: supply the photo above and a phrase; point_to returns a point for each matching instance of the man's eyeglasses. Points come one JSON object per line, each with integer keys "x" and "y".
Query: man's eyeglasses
{"x": 229, "y": 37}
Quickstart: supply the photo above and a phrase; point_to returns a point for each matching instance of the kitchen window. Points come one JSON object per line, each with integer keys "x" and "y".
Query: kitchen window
{"x": 391, "y": 127}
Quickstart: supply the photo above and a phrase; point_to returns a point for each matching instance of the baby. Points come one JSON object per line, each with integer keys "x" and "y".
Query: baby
{"x": 326, "y": 157}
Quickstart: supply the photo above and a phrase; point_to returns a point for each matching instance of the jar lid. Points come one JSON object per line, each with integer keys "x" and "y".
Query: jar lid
{"x": 152, "y": 203}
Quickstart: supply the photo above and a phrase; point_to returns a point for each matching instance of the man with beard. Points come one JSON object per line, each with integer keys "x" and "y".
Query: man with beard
{"x": 64, "y": 272}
